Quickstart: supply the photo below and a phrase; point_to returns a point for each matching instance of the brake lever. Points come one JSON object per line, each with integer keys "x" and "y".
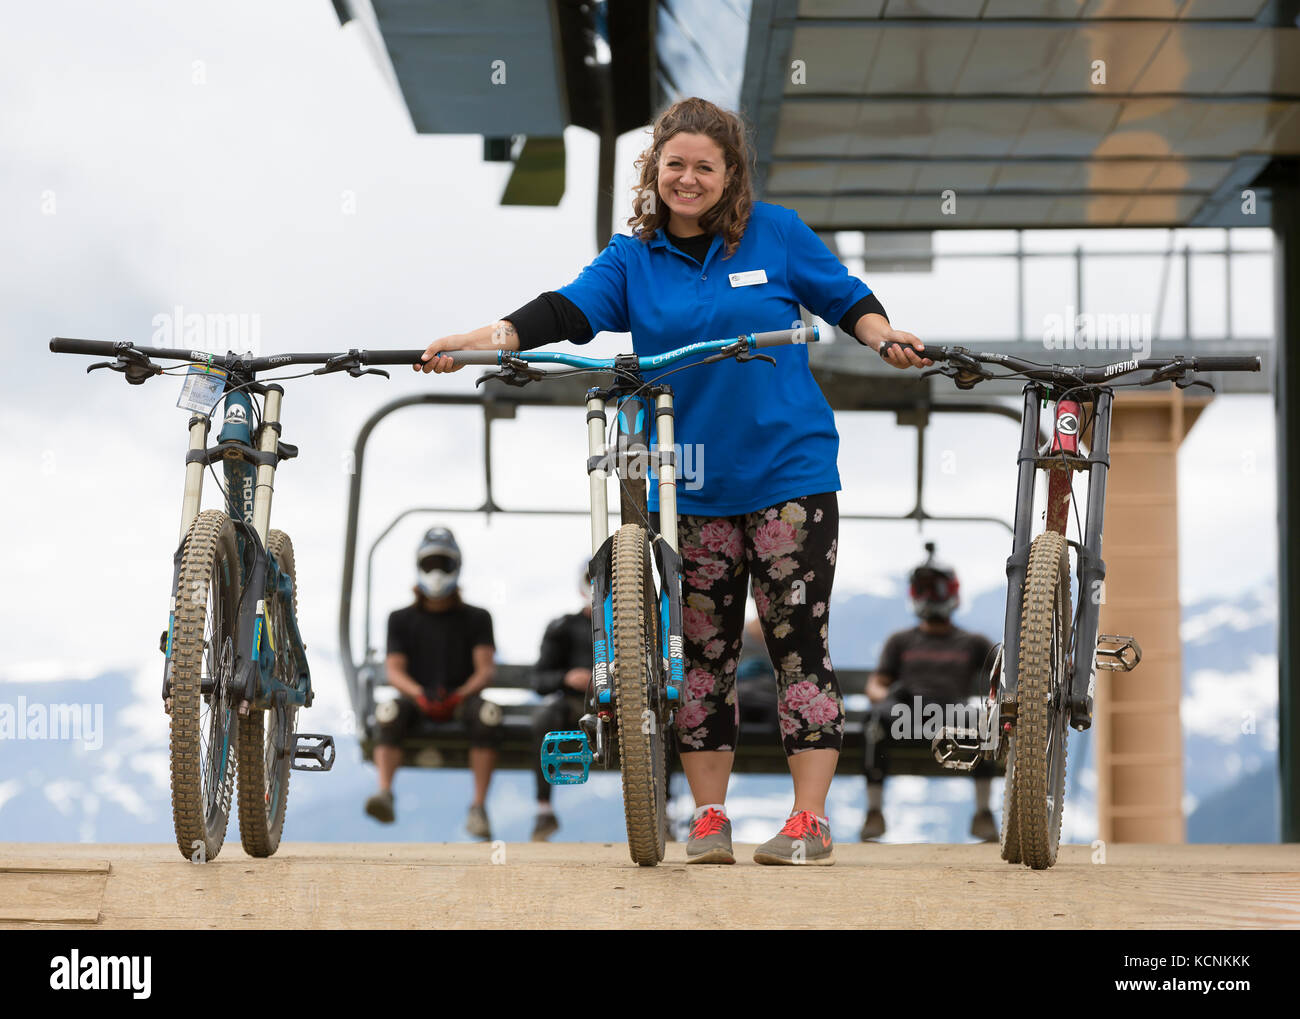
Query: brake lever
{"x": 137, "y": 368}
{"x": 1169, "y": 373}
{"x": 1185, "y": 383}
{"x": 740, "y": 351}
{"x": 513, "y": 373}
{"x": 962, "y": 375}
{"x": 351, "y": 363}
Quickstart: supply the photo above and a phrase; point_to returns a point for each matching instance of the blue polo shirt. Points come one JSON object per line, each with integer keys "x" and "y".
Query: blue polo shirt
{"x": 758, "y": 434}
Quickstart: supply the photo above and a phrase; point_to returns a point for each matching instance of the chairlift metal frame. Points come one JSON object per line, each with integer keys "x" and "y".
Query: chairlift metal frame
{"x": 911, "y": 403}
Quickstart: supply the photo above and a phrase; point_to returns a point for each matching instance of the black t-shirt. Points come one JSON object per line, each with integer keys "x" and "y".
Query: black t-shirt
{"x": 697, "y": 247}
{"x": 945, "y": 668}
{"x": 439, "y": 646}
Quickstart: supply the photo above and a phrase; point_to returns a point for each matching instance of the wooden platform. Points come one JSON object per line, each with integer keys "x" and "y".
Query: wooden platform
{"x": 522, "y": 885}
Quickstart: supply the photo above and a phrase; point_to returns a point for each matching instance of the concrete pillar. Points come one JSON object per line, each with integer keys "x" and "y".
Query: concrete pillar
{"x": 1139, "y": 737}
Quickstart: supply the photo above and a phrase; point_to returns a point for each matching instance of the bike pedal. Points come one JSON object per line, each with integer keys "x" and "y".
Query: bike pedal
{"x": 312, "y": 747}
{"x": 958, "y": 749}
{"x": 558, "y": 763}
{"x": 1123, "y": 656}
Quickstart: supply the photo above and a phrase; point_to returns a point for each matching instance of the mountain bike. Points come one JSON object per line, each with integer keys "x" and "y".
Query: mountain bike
{"x": 235, "y": 672}
{"x": 1045, "y": 672}
{"x": 638, "y": 671}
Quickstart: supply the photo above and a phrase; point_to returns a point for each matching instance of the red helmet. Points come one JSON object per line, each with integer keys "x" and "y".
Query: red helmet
{"x": 933, "y": 588}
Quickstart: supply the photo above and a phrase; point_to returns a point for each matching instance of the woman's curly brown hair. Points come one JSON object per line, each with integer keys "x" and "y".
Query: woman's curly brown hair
{"x": 730, "y": 215}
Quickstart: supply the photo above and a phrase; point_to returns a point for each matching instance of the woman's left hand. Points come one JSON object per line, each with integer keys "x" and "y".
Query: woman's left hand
{"x": 902, "y": 352}
{"x": 875, "y": 331}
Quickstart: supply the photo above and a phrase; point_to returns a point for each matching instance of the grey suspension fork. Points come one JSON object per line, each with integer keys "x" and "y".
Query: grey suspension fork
{"x": 252, "y": 608}
{"x": 670, "y": 562}
{"x": 199, "y": 425}
{"x": 1092, "y": 571}
{"x": 268, "y": 440}
{"x": 667, "y": 468}
{"x": 596, "y": 477}
{"x": 1018, "y": 562}
{"x": 598, "y": 462}
{"x": 190, "y": 503}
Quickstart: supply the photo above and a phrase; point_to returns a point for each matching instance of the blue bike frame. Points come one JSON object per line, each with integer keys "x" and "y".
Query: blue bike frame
{"x": 249, "y": 470}
{"x": 637, "y": 443}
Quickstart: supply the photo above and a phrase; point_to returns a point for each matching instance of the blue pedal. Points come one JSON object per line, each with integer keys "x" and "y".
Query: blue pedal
{"x": 562, "y": 754}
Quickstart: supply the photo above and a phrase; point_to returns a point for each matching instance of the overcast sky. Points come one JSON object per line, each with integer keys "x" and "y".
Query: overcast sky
{"x": 248, "y": 159}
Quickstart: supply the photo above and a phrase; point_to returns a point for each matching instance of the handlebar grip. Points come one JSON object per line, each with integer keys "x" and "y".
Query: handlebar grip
{"x": 1228, "y": 364}
{"x": 779, "y": 337}
{"x": 62, "y": 345}
{"x": 461, "y": 357}
{"x": 933, "y": 353}
{"x": 490, "y": 357}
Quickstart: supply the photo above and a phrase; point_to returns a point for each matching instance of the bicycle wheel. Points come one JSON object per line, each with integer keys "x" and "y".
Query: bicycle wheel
{"x": 1041, "y": 720}
{"x": 640, "y": 732}
{"x": 266, "y": 737}
{"x": 203, "y": 708}
{"x": 1009, "y": 836}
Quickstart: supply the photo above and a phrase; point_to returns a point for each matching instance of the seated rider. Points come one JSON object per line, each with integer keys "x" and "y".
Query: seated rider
{"x": 441, "y": 654}
{"x": 933, "y": 664}
{"x": 562, "y": 677}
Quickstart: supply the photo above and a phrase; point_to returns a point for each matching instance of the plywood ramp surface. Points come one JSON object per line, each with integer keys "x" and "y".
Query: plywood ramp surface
{"x": 571, "y": 885}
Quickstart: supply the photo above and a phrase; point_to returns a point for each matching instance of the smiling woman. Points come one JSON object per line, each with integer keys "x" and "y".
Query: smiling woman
{"x": 705, "y": 260}
{"x": 695, "y": 177}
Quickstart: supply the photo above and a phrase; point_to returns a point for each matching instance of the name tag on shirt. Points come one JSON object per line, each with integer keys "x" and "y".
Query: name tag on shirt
{"x": 748, "y": 279}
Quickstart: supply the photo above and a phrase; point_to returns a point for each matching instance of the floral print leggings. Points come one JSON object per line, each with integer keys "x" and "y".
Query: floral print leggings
{"x": 788, "y": 551}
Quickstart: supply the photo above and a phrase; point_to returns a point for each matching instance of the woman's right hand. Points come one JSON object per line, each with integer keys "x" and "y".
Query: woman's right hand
{"x": 497, "y": 336}
{"x": 433, "y": 360}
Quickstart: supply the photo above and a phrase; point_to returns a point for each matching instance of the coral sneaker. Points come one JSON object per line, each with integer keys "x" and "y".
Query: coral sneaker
{"x": 804, "y": 840}
{"x": 710, "y": 839}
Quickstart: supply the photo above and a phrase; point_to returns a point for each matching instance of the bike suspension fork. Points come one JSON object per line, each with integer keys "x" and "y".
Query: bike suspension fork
{"x": 1018, "y": 562}
{"x": 597, "y": 461}
{"x": 670, "y": 563}
{"x": 199, "y": 425}
{"x": 268, "y": 441}
{"x": 1092, "y": 572}
{"x": 667, "y": 468}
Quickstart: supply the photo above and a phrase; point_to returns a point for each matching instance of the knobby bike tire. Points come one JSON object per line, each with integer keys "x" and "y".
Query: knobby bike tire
{"x": 1041, "y": 716}
{"x": 640, "y": 733}
{"x": 1009, "y": 836}
{"x": 266, "y": 737}
{"x": 203, "y": 731}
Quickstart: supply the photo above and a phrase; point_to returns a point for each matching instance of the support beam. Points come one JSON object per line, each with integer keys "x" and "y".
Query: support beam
{"x": 1286, "y": 288}
{"x": 1139, "y": 732}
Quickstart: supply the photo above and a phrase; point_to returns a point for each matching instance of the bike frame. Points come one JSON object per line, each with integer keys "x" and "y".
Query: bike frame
{"x": 1061, "y": 462}
{"x": 632, "y": 454}
{"x": 249, "y": 470}
{"x": 637, "y": 406}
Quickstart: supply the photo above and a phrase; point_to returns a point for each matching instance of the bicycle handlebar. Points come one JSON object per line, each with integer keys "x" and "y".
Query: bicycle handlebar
{"x": 964, "y": 367}
{"x": 354, "y": 358}
{"x": 750, "y": 341}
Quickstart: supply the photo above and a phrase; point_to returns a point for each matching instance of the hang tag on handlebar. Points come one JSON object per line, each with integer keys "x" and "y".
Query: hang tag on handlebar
{"x": 202, "y": 388}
